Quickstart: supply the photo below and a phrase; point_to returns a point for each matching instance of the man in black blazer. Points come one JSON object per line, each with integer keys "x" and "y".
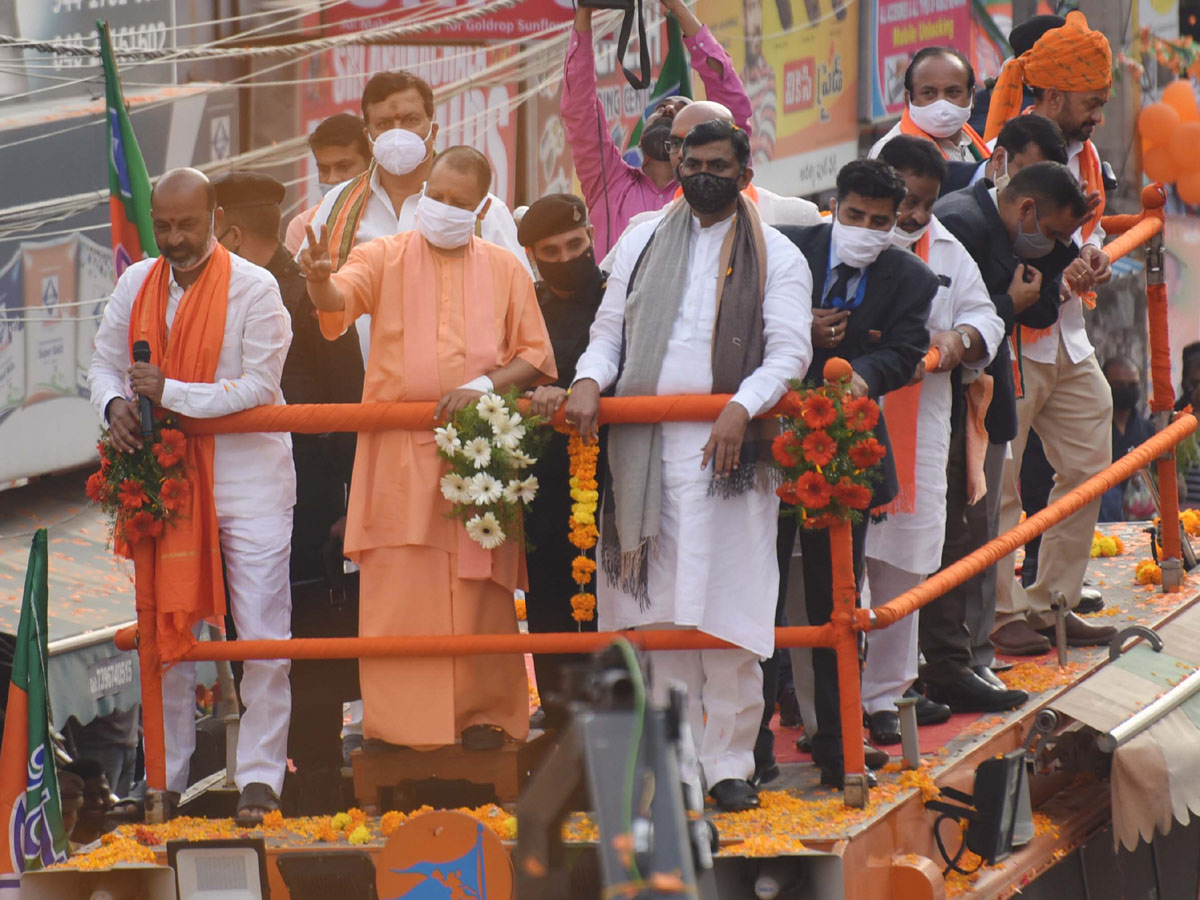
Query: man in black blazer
{"x": 1026, "y": 290}
{"x": 1023, "y": 140}
{"x": 870, "y": 305}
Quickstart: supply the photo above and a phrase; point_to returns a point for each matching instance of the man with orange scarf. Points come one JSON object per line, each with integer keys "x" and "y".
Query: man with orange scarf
{"x": 218, "y": 334}
{"x": 939, "y": 87}
{"x": 1063, "y": 393}
{"x": 452, "y": 317}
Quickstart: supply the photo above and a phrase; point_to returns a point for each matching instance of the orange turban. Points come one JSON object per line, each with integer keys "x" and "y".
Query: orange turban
{"x": 1070, "y": 58}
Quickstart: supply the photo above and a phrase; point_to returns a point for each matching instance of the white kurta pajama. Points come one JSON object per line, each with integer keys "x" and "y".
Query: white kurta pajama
{"x": 714, "y": 568}
{"x": 903, "y": 549}
{"x": 254, "y": 489}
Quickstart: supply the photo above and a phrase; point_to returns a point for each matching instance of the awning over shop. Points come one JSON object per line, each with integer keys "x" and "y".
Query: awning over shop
{"x": 1146, "y": 706}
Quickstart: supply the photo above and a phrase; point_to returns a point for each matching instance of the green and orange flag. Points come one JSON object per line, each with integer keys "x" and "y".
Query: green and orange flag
{"x": 31, "y": 827}
{"x": 128, "y": 180}
{"x": 674, "y": 80}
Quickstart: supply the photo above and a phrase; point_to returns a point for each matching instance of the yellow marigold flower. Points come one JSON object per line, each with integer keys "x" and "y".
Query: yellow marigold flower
{"x": 360, "y": 835}
{"x": 340, "y": 821}
{"x": 585, "y": 518}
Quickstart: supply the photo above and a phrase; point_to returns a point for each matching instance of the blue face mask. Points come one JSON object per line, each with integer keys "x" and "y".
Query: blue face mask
{"x": 1032, "y": 244}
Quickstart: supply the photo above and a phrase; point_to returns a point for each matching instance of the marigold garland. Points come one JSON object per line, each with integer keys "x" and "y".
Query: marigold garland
{"x": 585, "y": 497}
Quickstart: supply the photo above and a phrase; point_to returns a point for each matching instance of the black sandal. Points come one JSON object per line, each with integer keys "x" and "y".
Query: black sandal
{"x": 256, "y": 801}
{"x": 483, "y": 737}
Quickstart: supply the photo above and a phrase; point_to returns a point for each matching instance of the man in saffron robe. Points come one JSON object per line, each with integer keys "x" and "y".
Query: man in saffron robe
{"x": 452, "y": 317}
{"x": 218, "y": 333}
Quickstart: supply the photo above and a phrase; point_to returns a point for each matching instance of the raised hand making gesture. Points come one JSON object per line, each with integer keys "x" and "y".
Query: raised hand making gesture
{"x": 314, "y": 259}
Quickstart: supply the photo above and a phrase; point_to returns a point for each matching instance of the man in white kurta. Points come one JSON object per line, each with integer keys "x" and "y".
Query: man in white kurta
{"x": 713, "y": 566}
{"x": 254, "y": 481}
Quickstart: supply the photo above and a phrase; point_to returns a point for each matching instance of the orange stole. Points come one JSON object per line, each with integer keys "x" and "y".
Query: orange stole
{"x": 346, "y": 213}
{"x": 188, "y": 583}
{"x": 909, "y": 127}
{"x": 901, "y": 408}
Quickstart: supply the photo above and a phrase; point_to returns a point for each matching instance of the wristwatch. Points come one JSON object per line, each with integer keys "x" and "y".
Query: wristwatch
{"x": 966, "y": 337}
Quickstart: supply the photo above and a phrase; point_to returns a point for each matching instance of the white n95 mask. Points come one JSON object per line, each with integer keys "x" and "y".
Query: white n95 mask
{"x": 399, "y": 150}
{"x": 941, "y": 118}
{"x": 446, "y": 226}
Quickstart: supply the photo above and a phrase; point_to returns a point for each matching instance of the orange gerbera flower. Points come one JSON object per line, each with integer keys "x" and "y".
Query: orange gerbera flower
{"x": 97, "y": 486}
{"x": 867, "y": 453}
{"x": 813, "y": 491}
{"x": 819, "y": 448}
{"x": 787, "y": 492}
{"x": 173, "y": 493}
{"x": 132, "y": 494}
{"x": 855, "y": 496}
{"x": 818, "y": 411}
{"x": 791, "y": 404}
{"x": 784, "y": 449}
{"x": 862, "y": 413}
{"x": 142, "y": 525}
{"x": 171, "y": 447}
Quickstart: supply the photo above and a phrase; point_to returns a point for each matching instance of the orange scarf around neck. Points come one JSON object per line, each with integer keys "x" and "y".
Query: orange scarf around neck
{"x": 346, "y": 214}
{"x": 188, "y": 584}
{"x": 978, "y": 146}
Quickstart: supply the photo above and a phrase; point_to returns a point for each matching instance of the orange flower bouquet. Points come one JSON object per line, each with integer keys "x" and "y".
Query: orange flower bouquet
{"x": 145, "y": 490}
{"x": 828, "y": 453}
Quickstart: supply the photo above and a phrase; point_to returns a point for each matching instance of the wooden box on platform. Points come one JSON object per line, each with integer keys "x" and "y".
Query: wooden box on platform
{"x": 378, "y": 772}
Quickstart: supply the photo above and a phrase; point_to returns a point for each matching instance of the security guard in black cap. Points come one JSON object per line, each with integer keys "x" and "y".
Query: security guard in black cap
{"x": 324, "y": 599}
{"x": 557, "y": 236}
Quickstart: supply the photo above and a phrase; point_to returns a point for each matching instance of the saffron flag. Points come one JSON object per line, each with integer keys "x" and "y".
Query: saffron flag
{"x": 674, "y": 80}
{"x": 128, "y": 180}
{"x": 31, "y": 827}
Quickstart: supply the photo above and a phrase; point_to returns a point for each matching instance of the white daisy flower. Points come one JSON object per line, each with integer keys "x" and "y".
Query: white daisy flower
{"x": 447, "y": 439}
{"x": 485, "y": 530}
{"x": 485, "y": 490}
{"x": 518, "y": 491}
{"x": 507, "y": 432}
{"x": 522, "y": 460}
{"x": 455, "y": 488}
{"x": 491, "y": 408}
{"x": 478, "y": 452}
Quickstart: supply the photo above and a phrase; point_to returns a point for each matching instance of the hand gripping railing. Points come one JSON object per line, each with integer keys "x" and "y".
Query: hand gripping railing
{"x": 840, "y": 634}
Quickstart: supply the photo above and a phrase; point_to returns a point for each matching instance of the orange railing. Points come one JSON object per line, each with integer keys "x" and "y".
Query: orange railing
{"x": 839, "y": 634}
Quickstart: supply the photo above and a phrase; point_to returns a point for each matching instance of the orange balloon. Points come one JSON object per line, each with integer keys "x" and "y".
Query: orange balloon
{"x": 1180, "y": 95}
{"x": 1184, "y": 144}
{"x": 1156, "y": 123}
{"x": 1159, "y": 165}
{"x": 1188, "y": 187}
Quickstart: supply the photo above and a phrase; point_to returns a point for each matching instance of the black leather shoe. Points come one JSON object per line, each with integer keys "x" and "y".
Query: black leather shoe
{"x": 789, "y": 710}
{"x": 1090, "y": 601}
{"x": 765, "y": 773}
{"x": 875, "y": 758}
{"x": 928, "y": 712}
{"x": 970, "y": 693}
{"x": 990, "y": 677}
{"x": 834, "y": 776}
{"x": 804, "y": 744}
{"x": 884, "y": 727}
{"x": 734, "y": 795}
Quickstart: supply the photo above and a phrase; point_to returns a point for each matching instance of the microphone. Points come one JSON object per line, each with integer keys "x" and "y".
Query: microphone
{"x": 141, "y": 353}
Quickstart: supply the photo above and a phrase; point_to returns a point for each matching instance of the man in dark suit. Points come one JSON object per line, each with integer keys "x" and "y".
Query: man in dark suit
{"x": 870, "y": 304}
{"x": 1023, "y": 140}
{"x": 994, "y": 225}
{"x": 324, "y": 599}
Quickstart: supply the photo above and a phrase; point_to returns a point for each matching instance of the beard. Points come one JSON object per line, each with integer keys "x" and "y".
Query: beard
{"x": 183, "y": 256}
{"x": 653, "y": 140}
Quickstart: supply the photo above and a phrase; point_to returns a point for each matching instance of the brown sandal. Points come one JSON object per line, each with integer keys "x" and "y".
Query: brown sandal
{"x": 256, "y": 801}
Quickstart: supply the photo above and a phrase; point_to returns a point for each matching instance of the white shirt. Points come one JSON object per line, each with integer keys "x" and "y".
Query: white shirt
{"x": 379, "y": 219}
{"x": 253, "y": 473}
{"x": 787, "y": 314}
{"x": 913, "y": 541}
{"x": 954, "y": 150}
{"x": 774, "y": 209}
{"x": 714, "y": 568}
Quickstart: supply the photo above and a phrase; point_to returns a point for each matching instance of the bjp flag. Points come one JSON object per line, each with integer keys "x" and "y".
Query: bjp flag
{"x": 31, "y": 828}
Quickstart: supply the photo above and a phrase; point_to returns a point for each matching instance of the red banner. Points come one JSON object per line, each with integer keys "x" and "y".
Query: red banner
{"x": 512, "y": 22}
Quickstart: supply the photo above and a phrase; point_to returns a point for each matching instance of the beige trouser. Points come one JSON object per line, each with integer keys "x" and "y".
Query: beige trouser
{"x": 1069, "y": 405}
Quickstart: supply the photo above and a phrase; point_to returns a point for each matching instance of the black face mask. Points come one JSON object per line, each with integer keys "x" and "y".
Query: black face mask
{"x": 573, "y": 274}
{"x": 653, "y": 141}
{"x": 708, "y": 193}
{"x": 1126, "y": 396}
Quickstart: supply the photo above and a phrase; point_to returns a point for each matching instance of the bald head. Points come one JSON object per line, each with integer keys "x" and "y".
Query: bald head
{"x": 182, "y": 206}
{"x": 691, "y": 116}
